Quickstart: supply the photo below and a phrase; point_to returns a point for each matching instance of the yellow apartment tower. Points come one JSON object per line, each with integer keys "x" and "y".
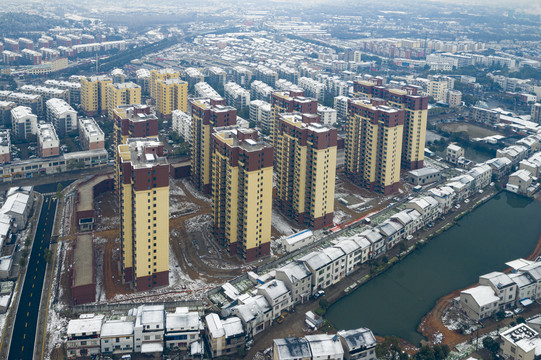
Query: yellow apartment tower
{"x": 144, "y": 213}
{"x": 415, "y": 116}
{"x": 207, "y": 114}
{"x": 242, "y": 192}
{"x": 93, "y": 94}
{"x": 374, "y": 144}
{"x": 171, "y": 94}
{"x": 305, "y": 165}
{"x": 288, "y": 102}
{"x": 135, "y": 121}
{"x": 119, "y": 94}
{"x": 162, "y": 74}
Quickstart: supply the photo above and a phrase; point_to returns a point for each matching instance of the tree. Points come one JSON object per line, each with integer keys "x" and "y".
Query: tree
{"x": 389, "y": 349}
{"x": 441, "y": 351}
{"x": 491, "y": 345}
{"x": 425, "y": 353}
{"x": 59, "y": 189}
{"x": 47, "y": 255}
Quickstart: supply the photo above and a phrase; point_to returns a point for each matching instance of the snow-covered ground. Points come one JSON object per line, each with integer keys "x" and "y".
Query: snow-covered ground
{"x": 281, "y": 225}
{"x": 454, "y": 319}
{"x": 340, "y": 216}
{"x": 178, "y": 208}
{"x": 174, "y": 189}
{"x": 194, "y": 191}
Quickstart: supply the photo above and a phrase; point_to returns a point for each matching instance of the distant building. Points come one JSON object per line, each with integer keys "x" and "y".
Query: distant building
{"x": 48, "y": 143}
{"x": 62, "y": 116}
{"x": 155, "y": 76}
{"x": 94, "y": 95}
{"x": 236, "y": 95}
{"x": 327, "y": 115}
{"x": 172, "y": 94}
{"x": 424, "y": 176}
{"x": 5, "y": 146}
{"x": 536, "y": 113}
{"x": 182, "y": 124}
{"x": 121, "y": 93}
{"x": 90, "y": 134}
{"x": 454, "y": 98}
{"x": 23, "y": 122}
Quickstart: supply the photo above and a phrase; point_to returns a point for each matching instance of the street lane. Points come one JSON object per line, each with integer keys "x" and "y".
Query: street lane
{"x": 24, "y": 330}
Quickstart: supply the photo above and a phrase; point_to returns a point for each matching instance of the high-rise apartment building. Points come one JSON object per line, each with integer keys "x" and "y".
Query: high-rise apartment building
{"x": 172, "y": 94}
{"x": 374, "y": 144}
{"x": 415, "y": 116}
{"x": 119, "y": 94}
{"x": 93, "y": 94}
{"x": 242, "y": 192}
{"x": 162, "y": 74}
{"x": 206, "y": 115}
{"x": 287, "y": 102}
{"x": 438, "y": 86}
{"x": 135, "y": 121}
{"x": 305, "y": 165}
{"x": 144, "y": 213}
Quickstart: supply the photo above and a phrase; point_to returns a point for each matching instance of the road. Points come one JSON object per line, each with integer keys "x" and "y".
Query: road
{"x": 24, "y": 330}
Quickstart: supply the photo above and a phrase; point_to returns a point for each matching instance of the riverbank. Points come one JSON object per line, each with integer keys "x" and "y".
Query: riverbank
{"x": 431, "y": 325}
{"x": 293, "y": 324}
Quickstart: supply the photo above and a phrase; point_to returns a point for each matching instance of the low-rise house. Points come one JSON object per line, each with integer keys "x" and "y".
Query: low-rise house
{"x": 424, "y": 176}
{"x": 427, "y": 206}
{"x": 515, "y": 153}
{"x": 504, "y": 287}
{"x": 278, "y": 296}
{"x": 17, "y": 206}
{"x": 445, "y": 197}
{"x": 482, "y": 175}
{"x": 520, "y": 182}
{"x": 358, "y": 344}
{"x": 117, "y": 337}
{"x": 83, "y": 336}
{"x": 149, "y": 328}
{"x": 453, "y": 153}
{"x": 298, "y": 279}
{"x": 363, "y": 254}
{"x": 325, "y": 346}
{"x": 392, "y": 231}
{"x": 255, "y": 313}
{"x": 225, "y": 337}
{"x": 291, "y": 349}
{"x": 525, "y": 285}
{"x": 532, "y": 164}
{"x": 500, "y": 167}
{"x": 377, "y": 242}
{"x": 410, "y": 219}
{"x": 338, "y": 259}
{"x": 351, "y": 250}
{"x": 479, "y": 302}
{"x": 521, "y": 343}
{"x": 320, "y": 266}
{"x": 534, "y": 271}
{"x": 181, "y": 329}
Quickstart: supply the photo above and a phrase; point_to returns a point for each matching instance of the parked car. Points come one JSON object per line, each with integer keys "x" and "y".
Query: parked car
{"x": 508, "y": 313}
{"x": 518, "y": 310}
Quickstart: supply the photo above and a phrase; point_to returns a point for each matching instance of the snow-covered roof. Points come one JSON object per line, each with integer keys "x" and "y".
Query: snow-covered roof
{"x": 498, "y": 279}
{"x": 274, "y": 289}
{"x": 152, "y": 347}
{"x": 295, "y": 271}
{"x": 522, "y": 280}
{"x": 361, "y": 338}
{"x": 389, "y": 228}
{"x": 253, "y": 308}
{"x": 482, "y": 295}
{"x": 87, "y": 324}
{"x": 182, "y": 321}
{"x": 292, "y": 348}
{"x": 518, "y": 263}
{"x": 323, "y": 345}
{"x": 348, "y": 246}
{"x": 16, "y": 203}
{"x": 316, "y": 260}
{"x": 214, "y": 325}
{"x": 372, "y": 235}
{"x": 362, "y": 241}
{"x": 114, "y": 328}
{"x": 334, "y": 253}
{"x": 533, "y": 269}
{"x": 232, "y": 327}
{"x": 150, "y": 314}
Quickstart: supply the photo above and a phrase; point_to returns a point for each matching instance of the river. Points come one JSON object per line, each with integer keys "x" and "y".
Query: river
{"x": 503, "y": 229}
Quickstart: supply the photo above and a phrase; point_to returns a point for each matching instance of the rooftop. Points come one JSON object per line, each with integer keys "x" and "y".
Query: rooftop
{"x": 83, "y": 260}
{"x": 292, "y": 348}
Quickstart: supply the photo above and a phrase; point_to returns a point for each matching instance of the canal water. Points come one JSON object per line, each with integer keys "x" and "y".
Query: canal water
{"x": 503, "y": 229}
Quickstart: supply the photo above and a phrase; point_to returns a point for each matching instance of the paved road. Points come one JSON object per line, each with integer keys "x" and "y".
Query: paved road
{"x": 24, "y": 330}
